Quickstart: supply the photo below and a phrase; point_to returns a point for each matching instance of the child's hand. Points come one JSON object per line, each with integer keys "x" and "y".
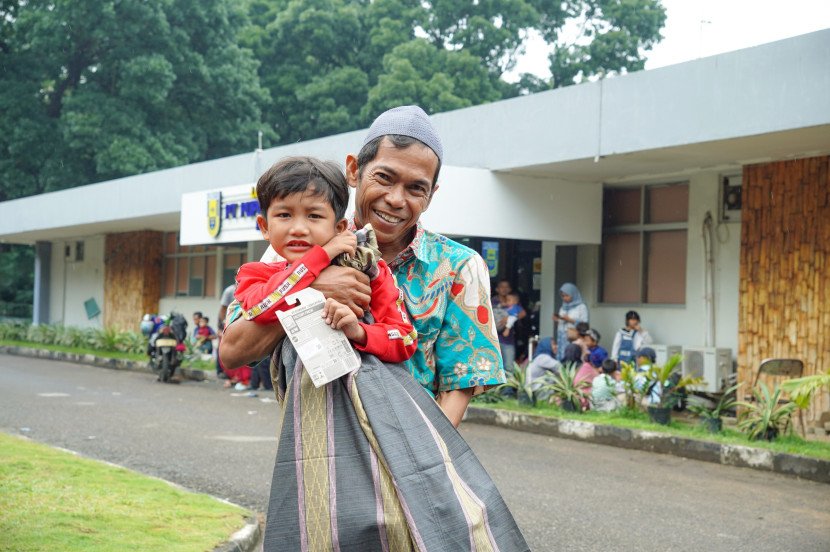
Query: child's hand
{"x": 344, "y": 242}
{"x": 341, "y": 317}
{"x": 506, "y": 332}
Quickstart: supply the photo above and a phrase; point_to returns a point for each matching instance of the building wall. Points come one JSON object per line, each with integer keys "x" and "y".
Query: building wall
{"x": 784, "y": 308}
{"x": 75, "y": 281}
{"x": 132, "y": 277}
{"x": 683, "y": 325}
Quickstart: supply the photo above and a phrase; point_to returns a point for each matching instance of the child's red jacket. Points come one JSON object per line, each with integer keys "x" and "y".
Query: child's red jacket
{"x": 262, "y": 288}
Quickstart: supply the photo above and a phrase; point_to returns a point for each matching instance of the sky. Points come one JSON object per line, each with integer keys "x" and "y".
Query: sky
{"x": 701, "y": 28}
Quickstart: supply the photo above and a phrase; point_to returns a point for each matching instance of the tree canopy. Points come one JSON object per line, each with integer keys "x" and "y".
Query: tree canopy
{"x": 93, "y": 90}
{"x": 98, "y": 89}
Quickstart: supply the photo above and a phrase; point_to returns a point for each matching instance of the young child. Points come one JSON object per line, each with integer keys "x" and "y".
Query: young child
{"x": 204, "y": 336}
{"x": 303, "y": 202}
{"x": 629, "y": 339}
{"x": 590, "y": 341}
{"x": 511, "y": 305}
{"x": 606, "y": 388}
{"x": 646, "y": 357}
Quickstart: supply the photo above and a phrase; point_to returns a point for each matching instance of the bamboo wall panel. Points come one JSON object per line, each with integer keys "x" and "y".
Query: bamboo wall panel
{"x": 784, "y": 308}
{"x": 132, "y": 278}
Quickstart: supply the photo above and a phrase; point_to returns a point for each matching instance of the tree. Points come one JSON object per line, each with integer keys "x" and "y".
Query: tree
{"x": 98, "y": 89}
{"x": 332, "y": 65}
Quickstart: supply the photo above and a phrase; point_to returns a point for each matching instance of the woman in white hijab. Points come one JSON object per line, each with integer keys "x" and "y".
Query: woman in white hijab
{"x": 572, "y": 312}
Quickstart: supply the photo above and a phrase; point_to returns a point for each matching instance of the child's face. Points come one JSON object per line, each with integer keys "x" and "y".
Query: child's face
{"x": 511, "y": 300}
{"x": 299, "y": 221}
{"x": 202, "y": 322}
{"x": 589, "y": 341}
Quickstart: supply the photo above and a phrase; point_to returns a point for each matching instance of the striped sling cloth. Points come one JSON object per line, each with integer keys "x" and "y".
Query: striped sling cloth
{"x": 369, "y": 462}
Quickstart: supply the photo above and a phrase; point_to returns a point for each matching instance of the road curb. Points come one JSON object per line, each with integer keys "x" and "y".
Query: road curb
{"x": 804, "y": 467}
{"x": 246, "y": 539}
{"x": 101, "y": 362}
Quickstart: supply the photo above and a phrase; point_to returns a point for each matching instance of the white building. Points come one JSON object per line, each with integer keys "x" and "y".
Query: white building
{"x": 587, "y": 176}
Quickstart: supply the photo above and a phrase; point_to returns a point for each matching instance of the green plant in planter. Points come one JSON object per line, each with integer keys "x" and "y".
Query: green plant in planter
{"x": 563, "y": 385}
{"x": 518, "y": 381}
{"x": 665, "y": 382}
{"x": 765, "y": 417}
{"x": 801, "y": 392}
{"x": 631, "y": 385}
{"x": 711, "y": 417}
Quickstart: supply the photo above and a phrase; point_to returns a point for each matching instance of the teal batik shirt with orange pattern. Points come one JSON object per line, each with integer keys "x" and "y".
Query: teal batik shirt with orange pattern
{"x": 446, "y": 289}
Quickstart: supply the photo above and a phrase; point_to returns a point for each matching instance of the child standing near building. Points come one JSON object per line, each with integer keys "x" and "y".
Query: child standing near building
{"x": 303, "y": 203}
{"x": 629, "y": 339}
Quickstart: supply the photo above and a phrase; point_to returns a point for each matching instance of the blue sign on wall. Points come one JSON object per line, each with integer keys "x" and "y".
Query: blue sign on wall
{"x": 490, "y": 252}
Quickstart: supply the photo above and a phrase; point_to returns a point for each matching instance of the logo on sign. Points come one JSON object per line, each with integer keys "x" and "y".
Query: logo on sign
{"x": 214, "y": 220}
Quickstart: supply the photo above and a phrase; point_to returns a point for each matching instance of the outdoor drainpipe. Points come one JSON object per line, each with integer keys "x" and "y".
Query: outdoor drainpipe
{"x": 709, "y": 279}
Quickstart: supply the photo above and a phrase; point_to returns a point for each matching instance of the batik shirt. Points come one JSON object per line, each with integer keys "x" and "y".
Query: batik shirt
{"x": 446, "y": 289}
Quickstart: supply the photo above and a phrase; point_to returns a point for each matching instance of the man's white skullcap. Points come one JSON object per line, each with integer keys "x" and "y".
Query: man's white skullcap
{"x": 407, "y": 120}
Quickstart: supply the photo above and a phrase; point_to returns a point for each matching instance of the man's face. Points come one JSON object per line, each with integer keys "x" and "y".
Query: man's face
{"x": 395, "y": 188}
{"x": 503, "y": 288}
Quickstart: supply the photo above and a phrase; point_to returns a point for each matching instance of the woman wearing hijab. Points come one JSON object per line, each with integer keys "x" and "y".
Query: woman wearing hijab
{"x": 573, "y": 311}
{"x": 544, "y": 360}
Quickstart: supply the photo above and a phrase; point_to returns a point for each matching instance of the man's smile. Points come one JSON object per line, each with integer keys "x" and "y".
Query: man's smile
{"x": 387, "y": 218}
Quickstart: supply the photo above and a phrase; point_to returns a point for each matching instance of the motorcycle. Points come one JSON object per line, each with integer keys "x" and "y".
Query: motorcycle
{"x": 166, "y": 346}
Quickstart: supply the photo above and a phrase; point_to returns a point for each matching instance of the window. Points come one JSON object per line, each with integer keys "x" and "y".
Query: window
{"x": 643, "y": 256}
{"x": 190, "y": 271}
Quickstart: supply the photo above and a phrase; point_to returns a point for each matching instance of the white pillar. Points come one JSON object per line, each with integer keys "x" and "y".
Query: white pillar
{"x": 548, "y": 291}
{"x": 43, "y": 270}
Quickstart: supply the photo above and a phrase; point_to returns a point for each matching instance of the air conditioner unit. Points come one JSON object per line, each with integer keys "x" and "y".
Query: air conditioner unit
{"x": 665, "y": 352}
{"x": 712, "y": 364}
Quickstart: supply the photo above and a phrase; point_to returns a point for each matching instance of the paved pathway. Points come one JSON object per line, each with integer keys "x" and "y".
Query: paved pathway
{"x": 566, "y": 495}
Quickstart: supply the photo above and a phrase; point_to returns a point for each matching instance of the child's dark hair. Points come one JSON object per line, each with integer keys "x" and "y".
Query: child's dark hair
{"x": 582, "y": 328}
{"x": 609, "y": 366}
{"x": 299, "y": 174}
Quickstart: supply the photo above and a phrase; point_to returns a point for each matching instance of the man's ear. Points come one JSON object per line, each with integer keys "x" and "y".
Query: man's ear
{"x": 429, "y": 200}
{"x": 263, "y": 226}
{"x": 352, "y": 170}
{"x": 341, "y": 225}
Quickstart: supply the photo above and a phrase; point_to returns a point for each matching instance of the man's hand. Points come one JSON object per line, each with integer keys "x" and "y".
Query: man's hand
{"x": 341, "y": 317}
{"x": 344, "y": 242}
{"x": 345, "y": 285}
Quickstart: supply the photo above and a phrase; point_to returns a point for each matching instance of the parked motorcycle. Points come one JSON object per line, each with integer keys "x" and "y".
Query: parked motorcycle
{"x": 166, "y": 346}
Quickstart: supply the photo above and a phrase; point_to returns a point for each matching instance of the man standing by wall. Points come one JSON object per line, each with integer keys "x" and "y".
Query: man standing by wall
{"x": 445, "y": 284}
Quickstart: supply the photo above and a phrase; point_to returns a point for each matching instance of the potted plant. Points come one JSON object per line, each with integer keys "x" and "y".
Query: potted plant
{"x": 564, "y": 386}
{"x": 764, "y": 418}
{"x": 801, "y": 392}
{"x": 711, "y": 418}
{"x": 517, "y": 381}
{"x": 632, "y": 385}
{"x": 662, "y": 385}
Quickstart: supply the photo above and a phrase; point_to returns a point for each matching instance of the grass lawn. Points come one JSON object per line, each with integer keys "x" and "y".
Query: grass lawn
{"x": 54, "y": 500}
{"x": 75, "y": 350}
{"x": 639, "y": 420}
{"x": 194, "y": 364}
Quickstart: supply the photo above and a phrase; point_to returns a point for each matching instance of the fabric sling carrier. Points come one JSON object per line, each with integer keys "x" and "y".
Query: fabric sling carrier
{"x": 369, "y": 462}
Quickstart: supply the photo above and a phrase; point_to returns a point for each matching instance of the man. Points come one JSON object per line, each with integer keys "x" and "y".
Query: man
{"x": 507, "y": 343}
{"x": 445, "y": 285}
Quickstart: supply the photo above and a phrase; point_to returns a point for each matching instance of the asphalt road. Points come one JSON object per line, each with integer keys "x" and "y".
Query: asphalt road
{"x": 565, "y": 495}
